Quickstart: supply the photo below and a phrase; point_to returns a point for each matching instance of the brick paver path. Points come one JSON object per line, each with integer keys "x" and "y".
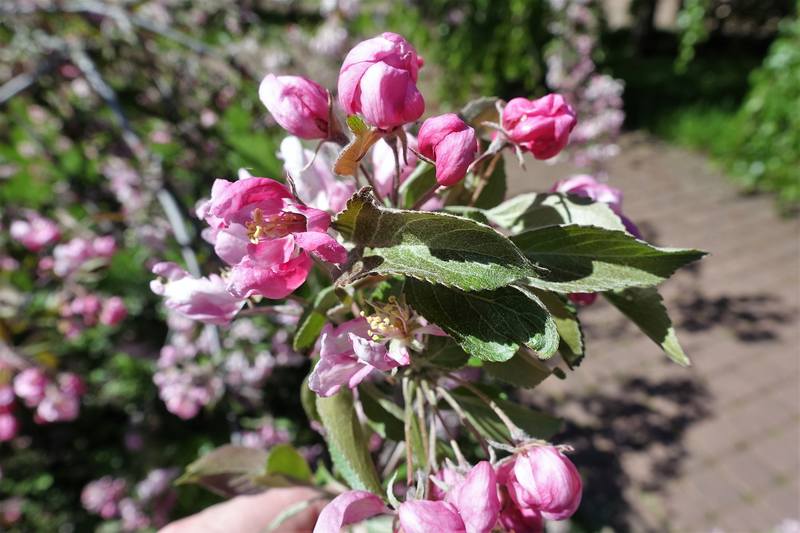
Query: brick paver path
{"x": 715, "y": 446}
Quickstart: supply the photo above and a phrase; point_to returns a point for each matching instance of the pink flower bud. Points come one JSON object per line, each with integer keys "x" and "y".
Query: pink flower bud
{"x": 298, "y": 104}
{"x": 588, "y": 187}
{"x": 540, "y": 126}
{"x": 451, "y": 143}
{"x": 9, "y": 427}
{"x": 378, "y": 80}
{"x": 544, "y": 480}
{"x": 34, "y": 233}
{"x": 582, "y": 298}
{"x": 104, "y": 246}
{"x": 114, "y": 311}
{"x": 71, "y": 384}
{"x": 30, "y": 385}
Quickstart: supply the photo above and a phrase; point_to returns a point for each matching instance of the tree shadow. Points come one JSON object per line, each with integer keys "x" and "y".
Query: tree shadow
{"x": 750, "y": 317}
{"x": 640, "y": 419}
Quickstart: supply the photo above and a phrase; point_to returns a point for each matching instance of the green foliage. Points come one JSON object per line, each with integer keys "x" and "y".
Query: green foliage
{"x": 590, "y": 259}
{"x": 435, "y": 247}
{"x": 522, "y": 370}
{"x": 347, "y": 443}
{"x": 490, "y": 325}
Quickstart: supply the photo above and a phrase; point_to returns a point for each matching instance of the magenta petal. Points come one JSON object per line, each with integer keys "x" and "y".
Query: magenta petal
{"x": 251, "y": 277}
{"x": 371, "y": 353}
{"x": 322, "y": 245}
{"x": 476, "y": 500}
{"x": 453, "y": 155}
{"x": 425, "y": 516}
{"x": 389, "y": 97}
{"x": 235, "y": 201}
{"x": 348, "y": 508}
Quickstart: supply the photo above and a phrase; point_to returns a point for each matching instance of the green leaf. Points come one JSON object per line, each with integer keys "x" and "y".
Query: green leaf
{"x": 421, "y": 180}
{"x": 308, "y": 399}
{"x": 533, "y": 210}
{"x": 534, "y": 423}
{"x": 567, "y": 324}
{"x": 346, "y": 442}
{"x": 646, "y": 309}
{"x": 434, "y": 247}
{"x": 228, "y": 470}
{"x": 313, "y": 319}
{"x": 357, "y": 125}
{"x": 443, "y": 352}
{"x": 385, "y": 416}
{"x": 522, "y": 370}
{"x": 481, "y": 110}
{"x": 591, "y": 259}
{"x": 284, "y": 460}
{"x": 494, "y": 191}
{"x": 490, "y": 325}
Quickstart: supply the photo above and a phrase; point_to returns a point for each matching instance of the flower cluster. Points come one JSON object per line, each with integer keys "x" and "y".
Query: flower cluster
{"x": 520, "y": 492}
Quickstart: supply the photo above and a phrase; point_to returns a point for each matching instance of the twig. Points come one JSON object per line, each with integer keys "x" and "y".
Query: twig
{"x": 442, "y": 392}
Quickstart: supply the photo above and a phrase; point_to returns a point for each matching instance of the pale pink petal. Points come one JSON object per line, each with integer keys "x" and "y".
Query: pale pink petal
{"x": 322, "y": 245}
{"x": 476, "y": 500}
{"x": 348, "y": 508}
{"x": 251, "y": 277}
{"x": 425, "y": 516}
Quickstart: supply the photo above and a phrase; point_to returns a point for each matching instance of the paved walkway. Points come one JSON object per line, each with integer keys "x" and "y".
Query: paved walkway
{"x": 715, "y": 446}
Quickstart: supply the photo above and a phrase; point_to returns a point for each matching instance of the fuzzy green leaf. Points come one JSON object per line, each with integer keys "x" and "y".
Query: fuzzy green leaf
{"x": 591, "y": 259}
{"x": 522, "y": 370}
{"x": 313, "y": 319}
{"x": 533, "y": 210}
{"x": 569, "y": 328}
{"x": 284, "y": 460}
{"x": 435, "y": 247}
{"x": 490, "y": 325}
{"x": 347, "y": 443}
{"x": 646, "y": 309}
{"x": 228, "y": 470}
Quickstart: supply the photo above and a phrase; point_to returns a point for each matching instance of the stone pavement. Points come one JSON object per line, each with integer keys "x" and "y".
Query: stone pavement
{"x": 714, "y": 447}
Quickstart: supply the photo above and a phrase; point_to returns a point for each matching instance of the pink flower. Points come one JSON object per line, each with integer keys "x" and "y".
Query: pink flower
{"x": 298, "y": 104}
{"x": 540, "y": 126}
{"x": 30, "y": 385}
{"x": 316, "y": 185}
{"x": 378, "y": 80}
{"x": 114, "y": 311}
{"x": 582, "y": 298}
{"x": 71, "y": 384}
{"x": 471, "y": 506}
{"x": 36, "y": 232}
{"x": 347, "y": 355}
{"x": 71, "y": 256}
{"x": 57, "y": 406}
{"x": 203, "y": 299}
{"x": 6, "y": 398}
{"x": 544, "y": 480}
{"x": 87, "y": 307}
{"x": 274, "y": 233}
{"x": 451, "y": 143}
{"x": 102, "y": 496}
{"x": 348, "y": 508}
{"x": 588, "y": 187}
{"x": 9, "y": 426}
{"x": 383, "y": 170}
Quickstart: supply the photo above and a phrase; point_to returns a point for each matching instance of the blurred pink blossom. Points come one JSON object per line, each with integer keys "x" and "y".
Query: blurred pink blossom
{"x": 35, "y": 232}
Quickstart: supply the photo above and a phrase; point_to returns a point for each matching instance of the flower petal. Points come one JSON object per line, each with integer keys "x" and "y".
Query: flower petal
{"x": 425, "y": 516}
{"x": 348, "y": 508}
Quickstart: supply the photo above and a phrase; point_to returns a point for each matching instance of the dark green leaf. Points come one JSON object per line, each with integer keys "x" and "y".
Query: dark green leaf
{"x": 646, "y": 309}
{"x": 534, "y": 423}
{"x": 347, "y": 443}
{"x": 533, "y": 210}
{"x": 421, "y": 180}
{"x": 590, "y": 259}
{"x": 490, "y": 325}
{"x": 385, "y": 416}
{"x": 313, "y": 319}
{"x": 569, "y": 328}
{"x": 228, "y": 470}
{"x": 522, "y": 370}
{"x": 445, "y": 353}
{"x": 435, "y": 247}
{"x": 494, "y": 191}
{"x": 284, "y": 460}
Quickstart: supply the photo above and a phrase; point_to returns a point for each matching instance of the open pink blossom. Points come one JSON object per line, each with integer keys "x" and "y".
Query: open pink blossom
{"x": 204, "y": 299}
{"x": 278, "y": 236}
{"x": 57, "y": 406}
{"x": 588, "y": 187}
{"x": 113, "y": 312}
{"x": 30, "y": 385}
{"x": 543, "y": 479}
{"x": 347, "y": 355}
{"x": 298, "y": 104}
{"x": 9, "y": 426}
{"x": 349, "y": 508}
{"x": 471, "y": 506}
{"x": 378, "y": 80}
{"x": 316, "y": 185}
{"x": 451, "y": 143}
{"x": 35, "y": 232}
{"x": 540, "y": 126}
{"x": 71, "y": 256}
